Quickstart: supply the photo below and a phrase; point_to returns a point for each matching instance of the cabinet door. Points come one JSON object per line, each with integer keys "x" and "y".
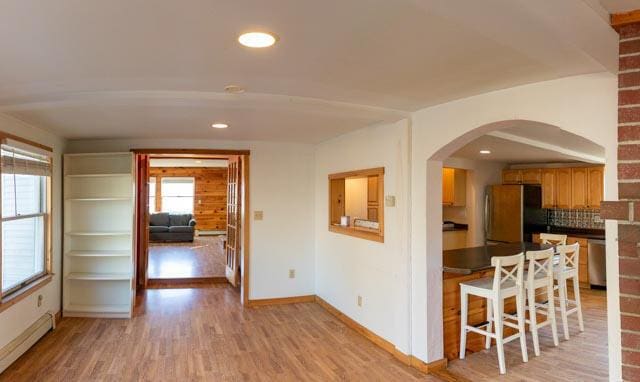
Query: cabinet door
{"x": 448, "y": 194}
{"x": 532, "y": 176}
{"x": 563, "y": 188}
{"x": 459, "y": 187}
{"x": 548, "y": 188}
{"x": 511, "y": 176}
{"x": 579, "y": 183}
{"x": 596, "y": 186}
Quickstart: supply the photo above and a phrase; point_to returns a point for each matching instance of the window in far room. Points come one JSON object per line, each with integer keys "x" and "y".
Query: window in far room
{"x": 178, "y": 195}
{"x": 152, "y": 194}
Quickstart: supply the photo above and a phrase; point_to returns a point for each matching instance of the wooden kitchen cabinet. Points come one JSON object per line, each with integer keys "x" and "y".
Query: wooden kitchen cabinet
{"x": 595, "y": 187}
{"x": 548, "y": 177}
{"x": 454, "y": 187}
{"x": 579, "y": 187}
{"x": 563, "y": 187}
{"x": 583, "y": 261}
{"x": 511, "y": 176}
{"x": 532, "y": 176}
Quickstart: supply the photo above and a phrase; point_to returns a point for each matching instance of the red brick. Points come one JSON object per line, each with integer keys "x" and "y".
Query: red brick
{"x": 626, "y": 80}
{"x": 628, "y": 170}
{"x": 630, "y": 323}
{"x": 630, "y": 286}
{"x": 618, "y": 210}
{"x": 631, "y": 340}
{"x": 629, "y": 267}
{"x": 629, "y": 190}
{"x": 627, "y": 47}
{"x": 628, "y": 249}
{"x": 630, "y": 305}
{"x": 629, "y": 152}
{"x": 631, "y": 357}
{"x": 629, "y": 114}
{"x": 629, "y": 233}
{"x": 636, "y": 211}
{"x": 628, "y": 133}
{"x": 631, "y": 373}
{"x": 630, "y": 62}
{"x": 630, "y": 30}
{"x": 629, "y": 97}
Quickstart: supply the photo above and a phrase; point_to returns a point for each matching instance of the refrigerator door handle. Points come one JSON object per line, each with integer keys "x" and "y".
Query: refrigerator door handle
{"x": 487, "y": 199}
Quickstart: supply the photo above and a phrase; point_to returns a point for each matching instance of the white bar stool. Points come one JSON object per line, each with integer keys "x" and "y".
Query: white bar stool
{"x": 567, "y": 268}
{"x": 504, "y": 284}
{"x": 540, "y": 275}
{"x": 553, "y": 239}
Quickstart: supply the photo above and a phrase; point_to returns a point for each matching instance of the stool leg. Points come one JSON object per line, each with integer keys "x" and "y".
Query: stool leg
{"x": 533, "y": 320}
{"x": 551, "y": 313}
{"x": 521, "y": 328}
{"x": 498, "y": 311}
{"x": 576, "y": 296}
{"x": 463, "y": 323}
{"x": 562, "y": 292}
{"x": 487, "y": 341}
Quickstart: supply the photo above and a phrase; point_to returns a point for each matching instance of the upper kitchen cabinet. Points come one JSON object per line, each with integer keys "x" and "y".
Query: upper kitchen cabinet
{"x": 511, "y": 177}
{"x": 563, "y": 187}
{"x": 579, "y": 187}
{"x": 454, "y": 187}
{"x": 595, "y": 187}
{"x": 532, "y": 176}
{"x": 548, "y": 181}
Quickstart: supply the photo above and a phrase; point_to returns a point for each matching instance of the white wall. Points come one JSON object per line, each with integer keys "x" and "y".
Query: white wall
{"x": 281, "y": 185}
{"x": 480, "y": 174}
{"x": 17, "y": 318}
{"x": 347, "y": 266}
{"x": 584, "y": 105}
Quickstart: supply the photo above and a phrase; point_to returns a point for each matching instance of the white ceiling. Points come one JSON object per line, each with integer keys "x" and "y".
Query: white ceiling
{"x": 530, "y": 142}
{"x": 187, "y": 162}
{"x": 126, "y": 69}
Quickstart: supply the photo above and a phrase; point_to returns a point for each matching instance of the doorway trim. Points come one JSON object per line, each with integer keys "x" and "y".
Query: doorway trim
{"x": 245, "y": 213}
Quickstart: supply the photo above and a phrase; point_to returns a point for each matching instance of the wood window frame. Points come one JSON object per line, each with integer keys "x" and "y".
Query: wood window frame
{"x": 36, "y": 282}
{"x": 362, "y": 233}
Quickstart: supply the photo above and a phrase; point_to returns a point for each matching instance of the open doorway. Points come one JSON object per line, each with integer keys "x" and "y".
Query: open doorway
{"x": 191, "y": 209}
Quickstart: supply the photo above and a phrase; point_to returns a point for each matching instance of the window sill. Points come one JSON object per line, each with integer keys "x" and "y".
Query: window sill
{"x": 362, "y": 233}
{"x": 24, "y": 292}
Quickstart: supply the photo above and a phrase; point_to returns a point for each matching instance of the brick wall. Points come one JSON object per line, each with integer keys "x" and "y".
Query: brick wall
{"x": 627, "y": 210}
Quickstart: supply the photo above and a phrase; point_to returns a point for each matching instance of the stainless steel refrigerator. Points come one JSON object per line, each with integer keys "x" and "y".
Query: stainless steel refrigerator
{"x": 512, "y": 213}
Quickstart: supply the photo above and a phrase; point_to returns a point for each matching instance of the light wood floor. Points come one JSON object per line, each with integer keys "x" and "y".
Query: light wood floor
{"x": 202, "y": 258}
{"x": 205, "y": 335}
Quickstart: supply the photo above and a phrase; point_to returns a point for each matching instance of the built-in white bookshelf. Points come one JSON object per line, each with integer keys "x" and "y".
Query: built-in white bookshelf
{"x": 98, "y": 235}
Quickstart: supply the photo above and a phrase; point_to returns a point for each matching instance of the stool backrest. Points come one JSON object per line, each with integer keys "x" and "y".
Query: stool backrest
{"x": 503, "y": 274}
{"x": 552, "y": 238}
{"x": 540, "y": 265}
{"x": 569, "y": 256}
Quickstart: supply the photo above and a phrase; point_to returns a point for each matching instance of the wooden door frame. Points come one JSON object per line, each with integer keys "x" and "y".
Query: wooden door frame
{"x": 245, "y": 209}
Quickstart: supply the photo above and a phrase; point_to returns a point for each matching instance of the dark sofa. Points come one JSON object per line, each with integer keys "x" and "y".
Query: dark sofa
{"x": 164, "y": 226}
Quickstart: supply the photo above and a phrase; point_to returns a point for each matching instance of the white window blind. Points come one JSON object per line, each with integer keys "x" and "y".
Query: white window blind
{"x": 24, "y": 215}
{"x": 152, "y": 194}
{"x": 178, "y": 195}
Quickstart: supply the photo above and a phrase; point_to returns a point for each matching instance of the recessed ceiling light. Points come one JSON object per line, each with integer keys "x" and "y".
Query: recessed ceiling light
{"x": 234, "y": 89}
{"x": 485, "y": 152}
{"x": 219, "y": 125}
{"x": 257, "y": 39}
{"x": 198, "y": 161}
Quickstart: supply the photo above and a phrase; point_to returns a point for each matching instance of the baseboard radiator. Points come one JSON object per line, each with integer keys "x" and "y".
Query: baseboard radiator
{"x": 14, "y": 349}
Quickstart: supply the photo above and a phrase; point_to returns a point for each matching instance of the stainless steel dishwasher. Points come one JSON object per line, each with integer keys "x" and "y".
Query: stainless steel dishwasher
{"x": 597, "y": 262}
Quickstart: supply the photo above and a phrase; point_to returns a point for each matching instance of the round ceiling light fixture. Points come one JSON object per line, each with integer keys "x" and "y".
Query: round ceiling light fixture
{"x": 219, "y": 125}
{"x": 257, "y": 39}
{"x": 485, "y": 152}
{"x": 234, "y": 89}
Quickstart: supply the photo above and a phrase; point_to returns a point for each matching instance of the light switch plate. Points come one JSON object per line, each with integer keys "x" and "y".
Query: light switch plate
{"x": 258, "y": 215}
{"x": 390, "y": 201}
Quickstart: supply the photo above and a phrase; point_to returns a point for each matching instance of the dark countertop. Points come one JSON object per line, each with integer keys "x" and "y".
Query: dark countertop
{"x": 579, "y": 232}
{"x": 456, "y": 227}
{"x": 469, "y": 260}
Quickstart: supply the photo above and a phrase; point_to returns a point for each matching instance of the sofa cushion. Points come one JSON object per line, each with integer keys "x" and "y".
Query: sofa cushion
{"x": 179, "y": 220}
{"x": 158, "y": 229}
{"x": 181, "y": 229}
{"x": 159, "y": 219}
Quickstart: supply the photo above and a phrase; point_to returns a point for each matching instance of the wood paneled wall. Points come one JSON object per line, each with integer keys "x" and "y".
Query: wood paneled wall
{"x": 210, "y": 207}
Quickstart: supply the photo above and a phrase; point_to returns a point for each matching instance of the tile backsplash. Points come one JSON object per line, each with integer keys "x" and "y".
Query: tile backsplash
{"x": 561, "y": 217}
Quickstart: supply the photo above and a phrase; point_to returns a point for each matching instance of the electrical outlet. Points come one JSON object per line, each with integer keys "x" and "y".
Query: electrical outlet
{"x": 360, "y": 301}
{"x": 40, "y": 298}
{"x": 292, "y": 273}
{"x": 258, "y": 215}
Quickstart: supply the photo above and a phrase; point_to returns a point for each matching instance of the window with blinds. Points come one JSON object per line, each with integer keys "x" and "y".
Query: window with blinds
{"x": 24, "y": 188}
{"x": 178, "y": 195}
